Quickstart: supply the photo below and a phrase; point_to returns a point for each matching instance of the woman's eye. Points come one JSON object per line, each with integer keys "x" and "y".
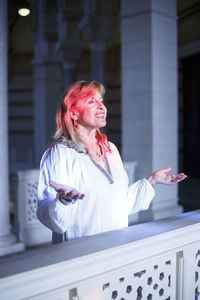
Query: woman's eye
{"x": 91, "y": 101}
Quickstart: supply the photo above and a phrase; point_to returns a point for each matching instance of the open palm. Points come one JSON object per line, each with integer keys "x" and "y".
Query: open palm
{"x": 162, "y": 177}
{"x": 67, "y": 192}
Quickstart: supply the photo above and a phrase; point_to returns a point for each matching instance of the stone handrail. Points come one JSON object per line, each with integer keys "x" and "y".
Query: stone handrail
{"x": 26, "y": 225}
{"x": 155, "y": 260}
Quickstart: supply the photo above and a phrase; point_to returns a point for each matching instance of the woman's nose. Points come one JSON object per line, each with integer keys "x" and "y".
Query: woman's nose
{"x": 100, "y": 105}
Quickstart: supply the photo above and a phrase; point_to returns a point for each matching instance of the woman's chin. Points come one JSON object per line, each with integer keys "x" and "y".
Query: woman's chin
{"x": 103, "y": 124}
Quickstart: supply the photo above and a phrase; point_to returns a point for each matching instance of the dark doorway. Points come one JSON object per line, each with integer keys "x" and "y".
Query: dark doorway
{"x": 189, "y": 190}
{"x": 191, "y": 115}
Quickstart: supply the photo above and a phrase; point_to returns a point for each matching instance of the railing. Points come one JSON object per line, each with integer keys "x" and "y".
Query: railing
{"x": 155, "y": 260}
{"x": 26, "y": 225}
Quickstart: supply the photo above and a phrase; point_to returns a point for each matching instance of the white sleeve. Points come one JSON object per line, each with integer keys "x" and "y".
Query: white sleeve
{"x": 140, "y": 195}
{"x": 51, "y": 212}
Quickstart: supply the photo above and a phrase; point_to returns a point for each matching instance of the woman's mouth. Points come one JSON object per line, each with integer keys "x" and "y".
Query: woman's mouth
{"x": 100, "y": 116}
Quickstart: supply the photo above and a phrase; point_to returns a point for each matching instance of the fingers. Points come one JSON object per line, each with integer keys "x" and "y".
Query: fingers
{"x": 178, "y": 176}
{"x": 70, "y": 197}
{"x": 71, "y": 194}
{"x": 78, "y": 196}
{"x": 175, "y": 178}
{"x": 66, "y": 192}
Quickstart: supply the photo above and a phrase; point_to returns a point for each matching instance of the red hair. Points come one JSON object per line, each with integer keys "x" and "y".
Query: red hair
{"x": 66, "y": 131}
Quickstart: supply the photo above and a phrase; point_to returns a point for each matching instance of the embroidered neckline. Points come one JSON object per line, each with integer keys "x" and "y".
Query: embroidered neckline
{"x": 71, "y": 144}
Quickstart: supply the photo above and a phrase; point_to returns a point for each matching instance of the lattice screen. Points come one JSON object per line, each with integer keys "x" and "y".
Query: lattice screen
{"x": 151, "y": 282}
{"x": 32, "y": 187}
{"x": 197, "y": 275}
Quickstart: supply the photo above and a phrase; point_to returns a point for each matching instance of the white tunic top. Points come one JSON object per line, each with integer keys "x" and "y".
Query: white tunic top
{"x": 107, "y": 201}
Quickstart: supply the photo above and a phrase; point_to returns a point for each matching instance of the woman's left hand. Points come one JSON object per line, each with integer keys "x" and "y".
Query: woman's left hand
{"x": 160, "y": 176}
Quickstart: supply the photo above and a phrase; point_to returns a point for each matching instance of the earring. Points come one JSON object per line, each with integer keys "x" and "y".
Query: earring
{"x": 75, "y": 121}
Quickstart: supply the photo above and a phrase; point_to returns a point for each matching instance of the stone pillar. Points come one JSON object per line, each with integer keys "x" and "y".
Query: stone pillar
{"x": 149, "y": 94}
{"x": 69, "y": 46}
{"x": 47, "y": 74}
{"x": 98, "y": 59}
{"x": 98, "y": 24}
{"x": 69, "y": 73}
{"x": 47, "y": 94}
{"x": 7, "y": 239}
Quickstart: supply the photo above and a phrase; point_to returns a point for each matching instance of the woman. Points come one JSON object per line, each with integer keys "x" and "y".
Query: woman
{"x": 83, "y": 187}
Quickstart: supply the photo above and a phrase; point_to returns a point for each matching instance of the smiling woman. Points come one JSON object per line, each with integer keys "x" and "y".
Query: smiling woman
{"x": 83, "y": 187}
{"x": 81, "y": 115}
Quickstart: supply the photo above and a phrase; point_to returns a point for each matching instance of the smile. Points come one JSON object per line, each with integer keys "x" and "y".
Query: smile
{"x": 100, "y": 115}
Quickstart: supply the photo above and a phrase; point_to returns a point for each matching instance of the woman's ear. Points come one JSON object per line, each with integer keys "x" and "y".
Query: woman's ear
{"x": 74, "y": 115}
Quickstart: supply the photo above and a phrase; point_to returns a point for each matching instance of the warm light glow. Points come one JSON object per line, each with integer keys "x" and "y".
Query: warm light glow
{"x": 24, "y": 12}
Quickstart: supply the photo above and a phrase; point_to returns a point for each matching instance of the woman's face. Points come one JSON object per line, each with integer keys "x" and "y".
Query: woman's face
{"x": 92, "y": 112}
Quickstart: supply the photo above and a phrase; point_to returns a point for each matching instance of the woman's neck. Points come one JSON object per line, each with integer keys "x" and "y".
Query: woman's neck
{"x": 88, "y": 137}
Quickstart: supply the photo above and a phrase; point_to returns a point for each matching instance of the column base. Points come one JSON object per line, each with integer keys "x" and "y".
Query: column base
{"x": 9, "y": 245}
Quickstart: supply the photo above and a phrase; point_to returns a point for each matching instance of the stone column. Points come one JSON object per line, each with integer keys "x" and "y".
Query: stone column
{"x": 98, "y": 24}
{"x": 149, "y": 94}
{"x": 69, "y": 73}
{"x": 47, "y": 94}
{"x": 98, "y": 59}
{"x": 47, "y": 74}
{"x": 69, "y": 46}
{"x": 7, "y": 239}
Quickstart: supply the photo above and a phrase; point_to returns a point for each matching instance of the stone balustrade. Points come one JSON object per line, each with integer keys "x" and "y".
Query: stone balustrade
{"x": 155, "y": 260}
{"x": 26, "y": 225}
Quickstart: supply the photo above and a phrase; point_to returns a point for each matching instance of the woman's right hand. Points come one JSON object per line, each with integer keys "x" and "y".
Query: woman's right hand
{"x": 67, "y": 194}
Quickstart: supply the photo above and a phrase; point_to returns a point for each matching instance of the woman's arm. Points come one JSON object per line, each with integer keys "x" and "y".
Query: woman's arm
{"x": 141, "y": 193}
{"x": 55, "y": 166}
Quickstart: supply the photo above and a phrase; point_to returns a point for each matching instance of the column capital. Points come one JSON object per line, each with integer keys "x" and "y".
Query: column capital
{"x": 44, "y": 23}
{"x": 70, "y": 10}
{"x": 44, "y": 29}
{"x": 98, "y": 28}
{"x": 98, "y": 21}
{"x": 69, "y": 46}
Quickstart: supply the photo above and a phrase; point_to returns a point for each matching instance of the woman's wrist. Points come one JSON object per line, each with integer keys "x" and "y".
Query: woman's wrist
{"x": 151, "y": 179}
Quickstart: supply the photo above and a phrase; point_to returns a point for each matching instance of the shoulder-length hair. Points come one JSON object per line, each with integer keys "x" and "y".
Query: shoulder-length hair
{"x": 66, "y": 131}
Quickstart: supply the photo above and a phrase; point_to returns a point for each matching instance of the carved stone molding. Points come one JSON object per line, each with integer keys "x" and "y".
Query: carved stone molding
{"x": 69, "y": 46}
{"x": 98, "y": 22}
